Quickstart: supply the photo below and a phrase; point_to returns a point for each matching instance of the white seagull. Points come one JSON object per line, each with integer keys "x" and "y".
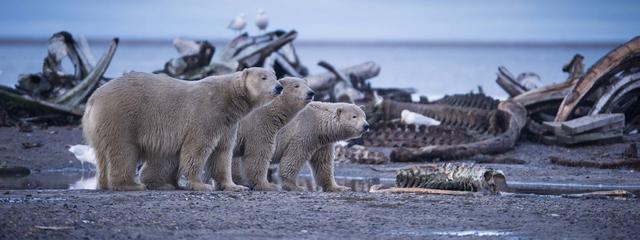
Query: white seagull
{"x": 262, "y": 21}
{"x": 238, "y": 23}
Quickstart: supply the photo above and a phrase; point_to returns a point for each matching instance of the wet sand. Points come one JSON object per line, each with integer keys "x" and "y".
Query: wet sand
{"x": 65, "y": 214}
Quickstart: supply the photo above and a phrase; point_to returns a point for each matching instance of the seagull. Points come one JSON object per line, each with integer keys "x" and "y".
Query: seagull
{"x": 238, "y": 23}
{"x": 262, "y": 21}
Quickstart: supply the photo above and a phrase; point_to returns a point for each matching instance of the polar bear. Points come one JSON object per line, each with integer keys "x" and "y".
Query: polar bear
{"x": 166, "y": 122}
{"x": 257, "y": 131}
{"x": 310, "y": 137}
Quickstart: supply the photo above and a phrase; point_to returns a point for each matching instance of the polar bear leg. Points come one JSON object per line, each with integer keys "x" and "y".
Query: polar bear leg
{"x": 219, "y": 165}
{"x": 123, "y": 160}
{"x": 291, "y": 163}
{"x": 160, "y": 175}
{"x": 236, "y": 171}
{"x": 193, "y": 156}
{"x": 256, "y": 167}
{"x": 321, "y": 163}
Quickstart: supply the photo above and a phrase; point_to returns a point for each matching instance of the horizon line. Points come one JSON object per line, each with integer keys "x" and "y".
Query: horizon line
{"x": 381, "y": 43}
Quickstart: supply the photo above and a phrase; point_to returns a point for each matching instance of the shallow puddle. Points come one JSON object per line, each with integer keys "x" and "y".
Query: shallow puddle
{"x": 77, "y": 179}
{"x": 473, "y": 233}
{"x": 87, "y": 180}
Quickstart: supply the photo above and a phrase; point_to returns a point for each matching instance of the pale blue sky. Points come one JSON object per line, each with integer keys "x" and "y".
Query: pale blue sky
{"x": 337, "y": 20}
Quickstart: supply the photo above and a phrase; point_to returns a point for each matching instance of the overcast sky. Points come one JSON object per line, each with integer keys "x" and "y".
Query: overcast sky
{"x": 336, "y": 20}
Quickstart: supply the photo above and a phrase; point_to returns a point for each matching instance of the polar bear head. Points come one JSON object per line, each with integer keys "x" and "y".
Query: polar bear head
{"x": 261, "y": 84}
{"x": 352, "y": 120}
{"x": 340, "y": 121}
{"x": 296, "y": 93}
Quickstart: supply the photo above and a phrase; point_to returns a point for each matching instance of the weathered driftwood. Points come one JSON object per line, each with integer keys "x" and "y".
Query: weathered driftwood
{"x": 470, "y": 124}
{"x": 508, "y": 120}
{"x": 80, "y": 92}
{"x": 448, "y": 115}
{"x": 597, "y": 76}
{"x": 633, "y": 163}
{"x": 453, "y": 177}
{"x": 194, "y": 55}
{"x": 256, "y": 54}
{"x": 62, "y": 45}
{"x": 54, "y": 96}
{"x": 585, "y": 129}
{"x": 14, "y": 171}
{"x": 53, "y": 81}
{"x": 541, "y": 103}
{"x": 470, "y": 100}
{"x": 622, "y": 97}
{"x": 272, "y": 50}
{"x": 343, "y": 90}
{"x": 376, "y": 189}
{"x": 589, "y": 123}
{"x": 400, "y": 135}
{"x": 506, "y": 80}
{"x": 14, "y": 102}
{"x": 488, "y": 159}
{"x": 631, "y": 151}
{"x": 283, "y": 58}
{"x": 602, "y": 194}
{"x": 359, "y": 154}
{"x": 325, "y": 81}
{"x": 575, "y": 68}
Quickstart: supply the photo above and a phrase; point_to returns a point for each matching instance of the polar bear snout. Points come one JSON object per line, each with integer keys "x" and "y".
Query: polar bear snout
{"x": 365, "y": 127}
{"x": 277, "y": 90}
{"x": 310, "y": 95}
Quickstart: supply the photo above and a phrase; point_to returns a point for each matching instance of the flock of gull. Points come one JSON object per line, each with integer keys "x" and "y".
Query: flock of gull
{"x": 239, "y": 22}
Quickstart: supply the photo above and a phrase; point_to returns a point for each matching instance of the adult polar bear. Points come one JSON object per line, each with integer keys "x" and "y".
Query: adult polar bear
{"x": 310, "y": 137}
{"x": 166, "y": 122}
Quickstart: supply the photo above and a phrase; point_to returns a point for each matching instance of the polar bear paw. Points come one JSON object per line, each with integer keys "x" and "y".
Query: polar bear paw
{"x": 292, "y": 187}
{"x": 199, "y": 186}
{"x": 232, "y": 188}
{"x": 337, "y": 188}
{"x": 266, "y": 187}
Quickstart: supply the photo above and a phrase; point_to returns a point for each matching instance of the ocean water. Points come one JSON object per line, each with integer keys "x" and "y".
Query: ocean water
{"x": 432, "y": 70}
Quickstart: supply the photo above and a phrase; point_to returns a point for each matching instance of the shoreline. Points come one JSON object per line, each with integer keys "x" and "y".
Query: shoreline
{"x": 62, "y": 213}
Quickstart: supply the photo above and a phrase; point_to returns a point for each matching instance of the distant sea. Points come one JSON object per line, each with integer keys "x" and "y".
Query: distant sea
{"x": 433, "y": 69}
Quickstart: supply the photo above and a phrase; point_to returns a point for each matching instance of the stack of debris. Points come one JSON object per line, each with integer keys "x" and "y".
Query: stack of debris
{"x": 611, "y": 85}
{"x": 54, "y": 96}
{"x": 275, "y": 50}
{"x": 57, "y": 98}
{"x": 469, "y": 124}
{"x": 585, "y": 129}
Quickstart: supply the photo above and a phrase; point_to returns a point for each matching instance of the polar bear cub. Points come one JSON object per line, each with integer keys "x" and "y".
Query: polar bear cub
{"x": 255, "y": 143}
{"x": 310, "y": 137}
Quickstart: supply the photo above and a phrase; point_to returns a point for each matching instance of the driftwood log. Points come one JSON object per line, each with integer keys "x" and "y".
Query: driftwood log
{"x": 496, "y": 130}
{"x": 459, "y": 177}
{"x": 325, "y": 81}
{"x": 600, "y": 75}
{"x": 376, "y": 189}
{"x": 631, "y": 163}
{"x": 359, "y": 154}
{"x": 53, "y": 96}
{"x": 542, "y": 103}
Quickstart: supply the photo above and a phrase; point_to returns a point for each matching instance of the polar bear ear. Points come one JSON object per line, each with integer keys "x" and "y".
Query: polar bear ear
{"x": 245, "y": 73}
{"x": 362, "y": 107}
{"x": 339, "y": 111}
